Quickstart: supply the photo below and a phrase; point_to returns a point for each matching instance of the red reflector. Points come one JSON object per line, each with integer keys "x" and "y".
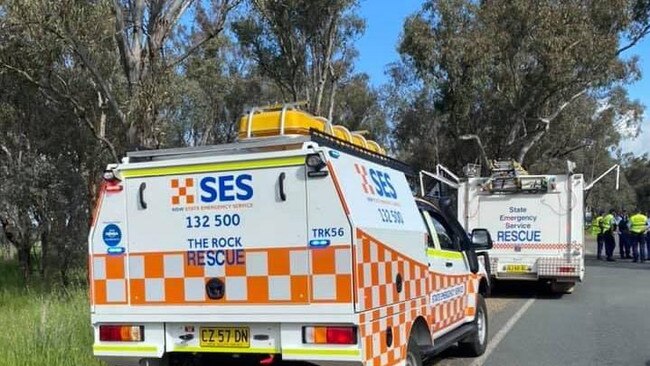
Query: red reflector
{"x": 268, "y": 361}
{"x": 114, "y": 187}
{"x": 121, "y": 333}
{"x": 566, "y": 269}
{"x": 341, "y": 335}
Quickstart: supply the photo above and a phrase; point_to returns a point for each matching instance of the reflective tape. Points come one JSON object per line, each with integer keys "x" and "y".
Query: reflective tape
{"x": 322, "y": 352}
{"x": 179, "y": 348}
{"x": 447, "y": 254}
{"x": 99, "y": 348}
{"x": 128, "y": 172}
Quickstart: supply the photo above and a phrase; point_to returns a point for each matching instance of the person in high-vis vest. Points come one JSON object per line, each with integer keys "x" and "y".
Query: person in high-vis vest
{"x": 597, "y": 231}
{"x": 647, "y": 236}
{"x": 638, "y": 229}
{"x": 609, "y": 225}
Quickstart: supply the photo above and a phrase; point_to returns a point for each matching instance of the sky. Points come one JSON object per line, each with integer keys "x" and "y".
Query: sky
{"x": 378, "y": 48}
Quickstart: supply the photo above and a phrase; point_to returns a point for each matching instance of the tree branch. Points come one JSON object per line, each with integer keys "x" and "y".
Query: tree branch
{"x": 563, "y": 106}
{"x": 547, "y": 125}
{"x": 80, "y": 111}
{"x": 636, "y": 39}
{"x": 193, "y": 49}
{"x": 87, "y": 60}
{"x": 126, "y": 57}
{"x": 484, "y": 156}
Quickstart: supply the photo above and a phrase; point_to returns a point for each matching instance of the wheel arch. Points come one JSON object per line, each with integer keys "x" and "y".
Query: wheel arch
{"x": 420, "y": 332}
{"x": 484, "y": 287}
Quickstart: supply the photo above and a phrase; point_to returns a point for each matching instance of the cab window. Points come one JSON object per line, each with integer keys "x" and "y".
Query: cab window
{"x": 440, "y": 235}
{"x": 432, "y": 238}
{"x": 445, "y": 236}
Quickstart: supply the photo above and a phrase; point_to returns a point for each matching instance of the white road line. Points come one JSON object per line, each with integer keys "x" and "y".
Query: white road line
{"x": 494, "y": 342}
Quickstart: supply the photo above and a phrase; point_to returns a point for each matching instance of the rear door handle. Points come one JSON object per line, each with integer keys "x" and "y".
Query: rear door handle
{"x": 283, "y": 195}
{"x": 449, "y": 264}
{"x": 143, "y": 204}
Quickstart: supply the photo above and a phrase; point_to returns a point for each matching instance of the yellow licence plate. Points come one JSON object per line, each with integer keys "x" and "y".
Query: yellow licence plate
{"x": 517, "y": 268}
{"x": 225, "y": 337}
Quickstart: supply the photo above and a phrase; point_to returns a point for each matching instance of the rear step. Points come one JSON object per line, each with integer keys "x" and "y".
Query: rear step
{"x": 448, "y": 339}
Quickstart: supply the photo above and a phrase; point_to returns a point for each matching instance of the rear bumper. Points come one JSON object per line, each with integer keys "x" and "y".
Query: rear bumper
{"x": 284, "y": 340}
{"x": 558, "y": 268}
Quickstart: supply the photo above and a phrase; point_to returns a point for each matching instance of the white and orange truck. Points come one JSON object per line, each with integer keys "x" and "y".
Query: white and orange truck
{"x": 300, "y": 241}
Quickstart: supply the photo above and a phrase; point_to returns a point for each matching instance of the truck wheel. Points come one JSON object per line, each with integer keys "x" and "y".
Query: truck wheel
{"x": 474, "y": 345}
{"x": 413, "y": 354}
{"x": 562, "y": 287}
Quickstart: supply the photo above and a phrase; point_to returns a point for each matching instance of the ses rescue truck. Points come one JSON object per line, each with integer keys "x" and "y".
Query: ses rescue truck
{"x": 301, "y": 241}
{"x": 536, "y": 220}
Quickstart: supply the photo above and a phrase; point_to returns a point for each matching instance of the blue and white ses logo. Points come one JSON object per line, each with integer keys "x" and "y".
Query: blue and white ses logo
{"x": 112, "y": 235}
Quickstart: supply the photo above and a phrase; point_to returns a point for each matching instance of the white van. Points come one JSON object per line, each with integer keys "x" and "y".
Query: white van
{"x": 301, "y": 241}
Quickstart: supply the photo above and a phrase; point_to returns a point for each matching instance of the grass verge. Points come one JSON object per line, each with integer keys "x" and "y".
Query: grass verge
{"x": 43, "y": 326}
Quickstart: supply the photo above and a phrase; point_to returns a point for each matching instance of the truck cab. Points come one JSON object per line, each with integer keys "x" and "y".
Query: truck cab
{"x": 301, "y": 241}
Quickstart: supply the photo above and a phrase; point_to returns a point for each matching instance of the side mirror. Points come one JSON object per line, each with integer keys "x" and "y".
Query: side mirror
{"x": 481, "y": 239}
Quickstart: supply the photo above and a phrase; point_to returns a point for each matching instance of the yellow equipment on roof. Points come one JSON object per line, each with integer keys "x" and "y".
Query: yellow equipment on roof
{"x": 286, "y": 120}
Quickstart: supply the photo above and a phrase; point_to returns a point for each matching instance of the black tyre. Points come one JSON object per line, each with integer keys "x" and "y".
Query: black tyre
{"x": 413, "y": 354}
{"x": 562, "y": 287}
{"x": 474, "y": 345}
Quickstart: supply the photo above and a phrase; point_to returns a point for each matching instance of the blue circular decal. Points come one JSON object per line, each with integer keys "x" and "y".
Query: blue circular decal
{"x": 112, "y": 235}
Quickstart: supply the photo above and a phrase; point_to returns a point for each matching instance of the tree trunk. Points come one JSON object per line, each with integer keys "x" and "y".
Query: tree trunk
{"x": 330, "y": 114}
{"x": 44, "y": 253}
{"x": 25, "y": 261}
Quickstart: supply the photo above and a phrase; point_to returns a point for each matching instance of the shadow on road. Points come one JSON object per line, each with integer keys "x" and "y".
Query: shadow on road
{"x": 591, "y": 261}
{"x": 450, "y": 353}
{"x": 523, "y": 290}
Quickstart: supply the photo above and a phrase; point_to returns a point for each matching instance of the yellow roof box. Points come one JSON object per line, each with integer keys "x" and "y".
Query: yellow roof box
{"x": 278, "y": 121}
{"x": 359, "y": 140}
{"x": 281, "y": 120}
{"x": 342, "y": 133}
{"x": 373, "y": 146}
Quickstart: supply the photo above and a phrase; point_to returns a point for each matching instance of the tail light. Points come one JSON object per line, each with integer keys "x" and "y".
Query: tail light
{"x": 329, "y": 335}
{"x": 566, "y": 269}
{"x": 113, "y": 183}
{"x": 121, "y": 333}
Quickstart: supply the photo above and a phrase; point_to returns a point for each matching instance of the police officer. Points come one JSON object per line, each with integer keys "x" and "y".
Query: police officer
{"x": 624, "y": 247}
{"x": 638, "y": 229}
{"x": 597, "y": 231}
{"x": 609, "y": 225}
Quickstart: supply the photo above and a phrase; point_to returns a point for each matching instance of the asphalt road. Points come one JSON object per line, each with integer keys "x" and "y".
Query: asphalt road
{"x": 606, "y": 321}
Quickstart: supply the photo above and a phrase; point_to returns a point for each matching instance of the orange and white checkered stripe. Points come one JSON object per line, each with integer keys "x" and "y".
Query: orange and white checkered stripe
{"x": 384, "y": 308}
{"x": 269, "y": 276}
{"x": 536, "y": 246}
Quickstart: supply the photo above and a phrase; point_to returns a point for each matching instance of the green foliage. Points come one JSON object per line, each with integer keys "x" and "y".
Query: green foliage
{"x": 304, "y": 46}
{"x": 514, "y": 76}
{"x": 637, "y": 172}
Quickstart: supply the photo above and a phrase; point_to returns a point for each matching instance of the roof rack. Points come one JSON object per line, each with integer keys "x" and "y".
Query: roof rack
{"x": 247, "y": 145}
{"x": 263, "y": 143}
{"x": 328, "y": 140}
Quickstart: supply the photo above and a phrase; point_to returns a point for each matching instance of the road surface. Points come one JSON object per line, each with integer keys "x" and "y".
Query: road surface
{"x": 606, "y": 321}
